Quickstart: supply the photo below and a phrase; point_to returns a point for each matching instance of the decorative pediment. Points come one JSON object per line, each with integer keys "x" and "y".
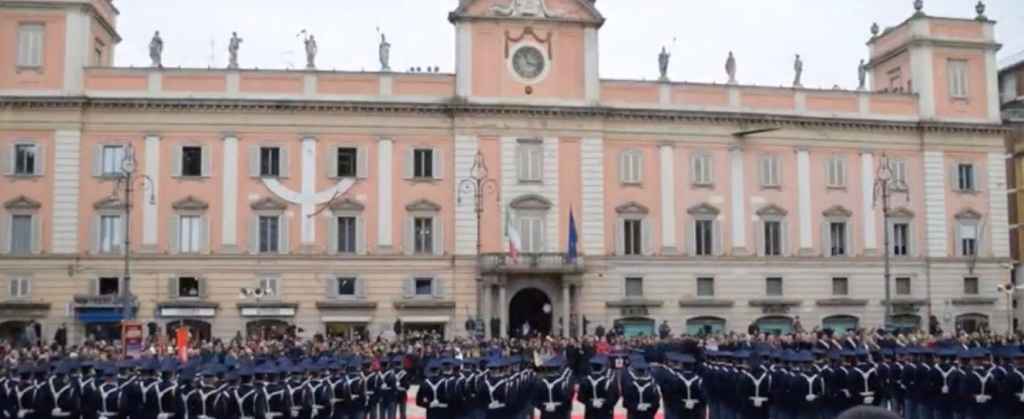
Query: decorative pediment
{"x": 423, "y": 205}
{"x": 22, "y": 202}
{"x": 632, "y": 208}
{"x": 569, "y": 10}
{"x": 703, "y": 209}
{"x": 901, "y": 212}
{"x": 531, "y": 202}
{"x": 347, "y": 204}
{"x": 837, "y": 211}
{"x": 190, "y": 203}
{"x": 109, "y": 203}
{"x": 269, "y": 204}
{"x": 771, "y": 210}
{"x": 968, "y": 214}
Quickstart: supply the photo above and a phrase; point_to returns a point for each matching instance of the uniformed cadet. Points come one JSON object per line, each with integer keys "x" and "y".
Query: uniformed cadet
{"x": 271, "y": 396}
{"x": 753, "y": 387}
{"x": 187, "y": 392}
{"x": 977, "y": 387}
{"x": 1011, "y": 388}
{"x": 165, "y": 390}
{"x": 388, "y": 387}
{"x": 865, "y": 384}
{"x": 942, "y": 380}
{"x": 59, "y": 398}
{"x": 85, "y": 383}
{"x": 374, "y": 381}
{"x": 211, "y": 403}
{"x": 243, "y": 397}
{"x": 294, "y": 386}
{"x": 402, "y": 382}
{"x": 682, "y": 389}
{"x": 431, "y": 392}
{"x": 806, "y": 389}
{"x": 599, "y": 392}
{"x": 553, "y": 389}
{"x": 107, "y": 396}
{"x": 466, "y": 379}
{"x": 641, "y": 396}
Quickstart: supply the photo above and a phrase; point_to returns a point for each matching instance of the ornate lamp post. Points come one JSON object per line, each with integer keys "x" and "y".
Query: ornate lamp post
{"x": 477, "y": 183}
{"x": 126, "y": 183}
{"x": 883, "y": 191}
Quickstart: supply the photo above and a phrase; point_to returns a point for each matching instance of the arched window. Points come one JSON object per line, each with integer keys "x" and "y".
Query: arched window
{"x": 707, "y": 325}
{"x": 972, "y": 322}
{"x": 840, "y": 324}
{"x": 777, "y": 325}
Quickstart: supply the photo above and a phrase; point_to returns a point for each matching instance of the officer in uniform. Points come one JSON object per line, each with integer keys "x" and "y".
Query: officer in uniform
{"x": 599, "y": 390}
{"x": 294, "y": 386}
{"x": 374, "y": 381}
{"x": 553, "y": 390}
{"x": 211, "y": 403}
{"x": 865, "y": 384}
{"x": 466, "y": 384}
{"x": 387, "y": 387}
{"x": 943, "y": 380}
{"x": 494, "y": 390}
{"x": 357, "y": 391}
{"x": 807, "y": 388}
{"x": 59, "y": 397}
{"x": 107, "y": 396}
{"x": 1011, "y": 388}
{"x": 402, "y": 381}
{"x": 271, "y": 396}
{"x": 753, "y": 388}
{"x": 430, "y": 395}
{"x": 165, "y": 390}
{"x": 682, "y": 389}
{"x": 85, "y": 381}
{"x": 243, "y": 396}
{"x": 640, "y": 393}
{"x": 977, "y": 386}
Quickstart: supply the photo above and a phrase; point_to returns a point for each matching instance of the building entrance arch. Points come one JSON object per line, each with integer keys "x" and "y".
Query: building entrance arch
{"x": 530, "y": 312}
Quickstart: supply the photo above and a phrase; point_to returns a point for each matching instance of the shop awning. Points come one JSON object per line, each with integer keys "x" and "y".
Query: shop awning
{"x": 100, "y": 315}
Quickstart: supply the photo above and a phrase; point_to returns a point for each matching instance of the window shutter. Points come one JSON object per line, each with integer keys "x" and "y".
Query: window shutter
{"x": 849, "y": 238}
{"x": 826, "y": 243}
{"x": 691, "y": 237}
{"x": 5, "y": 234}
{"x": 97, "y": 160}
{"x": 407, "y": 233}
{"x": 716, "y": 238}
{"x": 438, "y": 163}
{"x": 362, "y": 163}
{"x": 408, "y": 288}
{"x": 94, "y": 234}
{"x": 37, "y": 234}
{"x": 176, "y": 161}
{"x": 254, "y": 234}
{"x": 620, "y": 242}
{"x": 954, "y": 176}
{"x": 360, "y": 288}
{"x": 437, "y": 287}
{"x": 537, "y": 162}
{"x": 172, "y": 288}
{"x": 331, "y": 282}
{"x": 958, "y": 239}
{"x": 254, "y": 160}
{"x": 760, "y": 238}
{"x": 410, "y": 164}
{"x": 784, "y": 233}
{"x": 203, "y": 291}
{"x": 207, "y": 157}
{"x": 40, "y": 168}
{"x": 537, "y": 230}
{"x": 94, "y": 286}
{"x": 522, "y": 162}
{"x": 7, "y": 160}
{"x": 173, "y": 235}
{"x": 695, "y": 169}
{"x": 331, "y": 162}
{"x": 332, "y": 235}
{"x": 284, "y": 165}
{"x": 623, "y": 167}
{"x": 121, "y": 224}
{"x": 360, "y": 236}
{"x": 283, "y": 246}
{"x": 841, "y": 171}
{"x": 911, "y": 239}
{"x": 12, "y": 287}
{"x": 648, "y": 238}
{"x": 204, "y": 234}
{"x": 438, "y": 225}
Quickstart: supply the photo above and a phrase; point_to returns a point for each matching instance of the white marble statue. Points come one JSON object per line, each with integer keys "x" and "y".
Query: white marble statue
{"x": 663, "y": 60}
{"x": 798, "y": 70}
{"x": 233, "y": 46}
{"x": 311, "y": 50}
{"x": 384, "y": 53}
{"x": 156, "y": 50}
{"x": 730, "y": 68}
{"x": 862, "y": 75}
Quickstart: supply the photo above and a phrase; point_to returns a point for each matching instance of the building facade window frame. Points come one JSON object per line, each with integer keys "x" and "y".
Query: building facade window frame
{"x": 836, "y": 172}
{"x": 410, "y": 287}
{"x": 194, "y": 211}
{"x": 900, "y": 175}
{"x": 631, "y": 167}
{"x": 772, "y": 220}
{"x": 19, "y": 286}
{"x": 28, "y": 239}
{"x": 203, "y": 169}
{"x": 270, "y": 281}
{"x": 531, "y": 213}
{"x": 899, "y": 290}
{"x": 424, "y": 163}
{"x": 708, "y": 281}
{"x": 530, "y": 160}
{"x": 424, "y": 210}
{"x": 108, "y": 158}
{"x": 968, "y": 233}
{"x": 957, "y": 74}
{"x": 352, "y": 209}
{"x": 31, "y": 46}
{"x": 637, "y": 216}
{"x": 901, "y": 232}
{"x": 837, "y": 220}
{"x": 334, "y": 286}
{"x": 774, "y": 286}
{"x": 24, "y": 158}
{"x": 708, "y": 215}
{"x": 702, "y": 169}
{"x": 109, "y": 207}
{"x": 358, "y": 166}
{"x": 840, "y": 286}
{"x": 174, "y": 283}
{"x": 770, "y": 171}
{"x": 268, "y": 207}
{"x": 633, "y": 286}
{"x": 964, "y": 177}
{"x": 269, "y": 160}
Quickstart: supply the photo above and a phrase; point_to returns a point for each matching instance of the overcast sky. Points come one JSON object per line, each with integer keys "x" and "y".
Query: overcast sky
{"x": 830, "y": 35}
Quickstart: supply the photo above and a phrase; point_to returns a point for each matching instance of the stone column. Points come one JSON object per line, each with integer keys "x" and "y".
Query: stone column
{"x": 486, "y": 303}
{"x": 867, "y": 183}
{"x": 229, "y": 196}
{"x": 803, "y": 178}
{"x": 384, "y": 190}
{"x": 150, "y": 222}
{"x": 565, "y": 308}
{"x": 666, "y": 152}
{"x": 738, "y": 204}
{"x": 503, "y": 306}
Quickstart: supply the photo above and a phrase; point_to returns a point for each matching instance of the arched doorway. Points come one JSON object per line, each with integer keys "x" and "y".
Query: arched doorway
{"x": 840, "y": 324}
{"x": 267, "y": 329}
{"x": 636, "y": 326}
{"x": 775, "y": 325}
{"x": 13, "y": 331}
{"x": 972, "y": 322}
{"x": 708, "y": 325}
{"x": 530, "y": 306}
{"x": 200, "y": 330}
{"x": 905, "y": 322}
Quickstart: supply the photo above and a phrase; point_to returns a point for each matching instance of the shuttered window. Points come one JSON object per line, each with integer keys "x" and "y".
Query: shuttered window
{"x": 30, "y": 45}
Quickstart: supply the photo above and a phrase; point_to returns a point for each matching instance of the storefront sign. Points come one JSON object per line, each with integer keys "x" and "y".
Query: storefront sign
{"x": 775, "y": 309}
{"x": 634, "y": 311}
{"x": 268, "y": 311}
{"x": 187, "y": 312}
{"x": 131, "y": 339}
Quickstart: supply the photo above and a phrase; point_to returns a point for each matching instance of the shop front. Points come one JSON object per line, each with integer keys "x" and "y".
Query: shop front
{"x": 268, "y": 320}
{"x": 348, "y": 318}
{"x": 101, "y": 315}
{"x": 18, "y": 317}
{"x": 435, "y": 326}
{"x": 195, "y": 316}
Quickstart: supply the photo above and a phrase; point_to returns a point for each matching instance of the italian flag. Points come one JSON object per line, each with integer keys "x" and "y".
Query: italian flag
{"x": 512, "y": 236}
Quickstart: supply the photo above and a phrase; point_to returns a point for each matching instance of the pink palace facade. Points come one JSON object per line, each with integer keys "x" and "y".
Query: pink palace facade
{"x": 709, "y": 206}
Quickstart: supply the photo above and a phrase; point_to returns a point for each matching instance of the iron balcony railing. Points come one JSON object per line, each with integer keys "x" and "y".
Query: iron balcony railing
{"x": 530, "y": 263}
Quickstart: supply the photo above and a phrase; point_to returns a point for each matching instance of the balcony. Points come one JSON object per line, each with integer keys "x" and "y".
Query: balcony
{"x": 530, "y": 263}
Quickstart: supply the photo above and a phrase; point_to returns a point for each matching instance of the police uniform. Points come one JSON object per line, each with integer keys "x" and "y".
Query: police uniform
{"x": 553, "y": 390}
{"x": 641, "y": 396}
{"x": 431, "y": 392}
{"x": 599, "y": 393}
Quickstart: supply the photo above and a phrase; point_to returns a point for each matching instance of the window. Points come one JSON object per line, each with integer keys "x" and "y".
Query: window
{"x": 20, "y": 288}
{"x": 531, "y": 234}
{"x": 189, "y": 233}
{"x": 634, "y": 287}
{"x": 773, "y": 287}
{"x": 530, "y": 161}
{"x": 968, "y": 239}
{"x": 899, "y": 175}
{"x": 21, "y": 234}
{"x": 957, "y": 73}
{"x": 111, "y": 160}
{"x": 191, "y": 161}
{"x": 110, "y": 233}
{"x": 346, "y": 234}
{"x": 965, "y": 177}
{"x": 346, "y": 286}
{"x": 770, "y": 172}
{"x": 348, "y": 161}
{"x": 971, "y": 286}
{"x": 423, "y": 235}
{"x": 837, "y": 239}
{"x": 631, "y": 167}
{"x": 705, "y": 287}
{"x": 424, "y": 286}
{"x": 704, "y": 237}
{"x": 773, "y": 238}
{"x": 903, "y": 286}
{"x": 109, "y": 286}
{"x": 840, "y": 287}
{"x": 835, "y": 172}
{"x": 25, "y": 156}
{"x": 30, "y": 45}
{"x": 632, "y": 237}
{"x": 269, "y": 230}
{"x": 701, "y": 170}
{"x": 270, "y": 161}
{"x": 270, "y": 286}
{"x": 188, "y": 287}
{"x": 423, "y": 163}
{"x": 900, "y": 239}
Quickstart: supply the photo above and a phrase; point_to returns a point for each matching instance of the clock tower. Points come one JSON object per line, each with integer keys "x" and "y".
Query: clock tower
{"x": 530, "y": 51}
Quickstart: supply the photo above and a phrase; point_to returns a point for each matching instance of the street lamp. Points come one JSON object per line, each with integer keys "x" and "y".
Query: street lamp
{"x": 477, "y": 183}
{"x": 883, "y": 190}
{"x": 126, "y": 183}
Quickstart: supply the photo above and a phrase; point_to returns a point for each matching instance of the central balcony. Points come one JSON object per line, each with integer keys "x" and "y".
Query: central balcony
{"x": 530, "y": 263}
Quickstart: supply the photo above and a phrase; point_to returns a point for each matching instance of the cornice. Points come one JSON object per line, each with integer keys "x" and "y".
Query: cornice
{"x": 459, "y": 108}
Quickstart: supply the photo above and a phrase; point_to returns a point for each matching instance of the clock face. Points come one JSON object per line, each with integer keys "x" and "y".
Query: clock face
{"x": 528, "y": 62}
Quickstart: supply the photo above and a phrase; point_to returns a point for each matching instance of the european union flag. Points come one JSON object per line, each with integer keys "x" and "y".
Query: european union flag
{"x": 573, "y": 239}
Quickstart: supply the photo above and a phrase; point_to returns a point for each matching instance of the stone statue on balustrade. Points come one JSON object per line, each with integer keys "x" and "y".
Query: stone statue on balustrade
{"x": 311, "y": 50}
{"x": 663, "y": 60}
{"x": 798, "y": 70}
{"x": 156, "y": 50}
{"x": 862, "y": 75}
{"x": 384, "y": 53}
{"x": 730, "y": 68}
{"x": 233, "y": 46}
